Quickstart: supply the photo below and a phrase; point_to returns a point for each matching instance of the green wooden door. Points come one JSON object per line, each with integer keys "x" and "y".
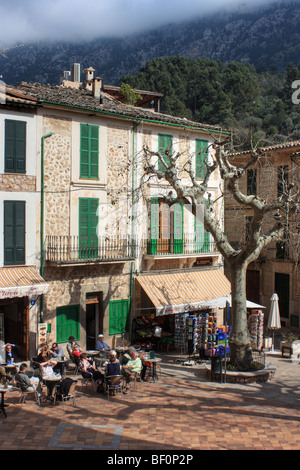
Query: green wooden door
{"x": 119, "y": 316}
{"x": 201, "y": 237}
{"x": 178, "y": 228}
{"x": 88, "y": 226}
{"x": 67, "y": 323}
{"x": 89, "y": 151}
{"x": 154, "y": 226}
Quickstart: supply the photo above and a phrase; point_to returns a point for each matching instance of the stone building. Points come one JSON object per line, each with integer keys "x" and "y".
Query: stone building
{"x": 276, "y": 269}
{"x": 102, "y": 226}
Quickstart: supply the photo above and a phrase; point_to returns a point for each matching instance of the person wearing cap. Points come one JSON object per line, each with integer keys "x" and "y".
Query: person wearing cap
{"x": 101, "y": 345}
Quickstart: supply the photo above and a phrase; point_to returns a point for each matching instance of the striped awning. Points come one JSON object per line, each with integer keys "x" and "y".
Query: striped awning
{"x": 21, "y": 281}
{"x": 184, "y": 291}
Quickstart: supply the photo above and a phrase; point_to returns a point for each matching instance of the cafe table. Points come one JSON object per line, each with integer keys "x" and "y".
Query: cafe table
{"x": 3, "y": 391}
{"x": 60, "y": 362}
{"x": 51, "y": 383}
{"x": 154, "y": 361}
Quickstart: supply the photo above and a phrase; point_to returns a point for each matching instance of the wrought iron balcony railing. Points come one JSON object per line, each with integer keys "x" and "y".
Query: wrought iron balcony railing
{"x": 75, "y": 249}
{"x": 189, "y": 244}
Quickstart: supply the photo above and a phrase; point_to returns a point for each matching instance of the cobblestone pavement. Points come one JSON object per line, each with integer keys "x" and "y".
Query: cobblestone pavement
{"x": 182, "y": 411}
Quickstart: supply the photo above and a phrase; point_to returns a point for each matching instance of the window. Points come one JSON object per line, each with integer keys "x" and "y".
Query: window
{"x": 251, "y": 182}
{"x": 201, "y": 158}
{"x": 89, "y": 151}
{"x": 165, "y": 148}
{"x": 283, "y": 179}
{"x": 119, "y": 316}
{"x": 67, "y": 323}
{"x": 15, "y": 146}
{"x": 88, "y": 227}
{"x": 14, "y": 233}
{"x": 166, "y": 227}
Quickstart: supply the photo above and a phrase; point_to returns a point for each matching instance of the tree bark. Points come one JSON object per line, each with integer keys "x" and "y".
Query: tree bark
{"x": 239, "y": 339}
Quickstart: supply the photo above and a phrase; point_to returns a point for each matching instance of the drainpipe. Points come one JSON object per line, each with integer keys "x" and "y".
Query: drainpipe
{"x": 132, "y": 213}
{"x": 42, "y": 222}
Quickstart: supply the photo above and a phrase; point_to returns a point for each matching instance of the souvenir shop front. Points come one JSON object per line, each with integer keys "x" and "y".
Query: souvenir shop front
{"x": 169, "y": 315}
{"x": 198, "y": 323}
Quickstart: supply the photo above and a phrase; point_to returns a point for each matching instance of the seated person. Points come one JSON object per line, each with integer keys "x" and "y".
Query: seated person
{"x": 28, "y": 384}
{"x": 44, "y": 355}
{"x": 133, "y": 365}
{"x": 76, "y": 353}
{"x": 57, "y": 351}
{"x": 89, "y": 370}
{"x": 4, "y": 376}
{"x": 70, "y": 346}
{"x": 9, "y": 355}
{"x": 101, "y": 345}
{"x": 10, "y": 358}
{"x": 112, "y": 367}
{"x": 47, "y": 373}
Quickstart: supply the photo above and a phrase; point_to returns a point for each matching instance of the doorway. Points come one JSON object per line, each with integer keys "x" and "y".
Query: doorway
{"x": 94, "y": 318}
{"x": 282, "y": 288}
{"x": 14, "y": 313}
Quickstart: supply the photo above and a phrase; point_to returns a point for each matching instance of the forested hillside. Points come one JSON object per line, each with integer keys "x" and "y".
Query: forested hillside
{"x": 233, "y": 95}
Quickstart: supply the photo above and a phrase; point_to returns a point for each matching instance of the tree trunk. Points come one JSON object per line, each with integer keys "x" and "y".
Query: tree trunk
{"x": 239, "y": 340}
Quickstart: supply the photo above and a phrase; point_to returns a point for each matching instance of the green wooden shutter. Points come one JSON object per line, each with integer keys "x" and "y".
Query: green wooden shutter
{"x": 178, "y": 227}
{"x": 67, "y": 323}
{"x": 154, "y": 225}
{"x": 165, "y": 147}
{"x": 15, "y": 146}
{"x": 201, "y": 158}
{"x": 88, "y": 223}
{"x": 89, "y": 151}
{"x": 119, "y": 316}
{"x": 201, "y": 238}
{"x": 14, "y": 233}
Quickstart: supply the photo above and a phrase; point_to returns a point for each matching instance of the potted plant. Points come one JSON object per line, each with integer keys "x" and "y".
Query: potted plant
{"x": 288, "y": 339}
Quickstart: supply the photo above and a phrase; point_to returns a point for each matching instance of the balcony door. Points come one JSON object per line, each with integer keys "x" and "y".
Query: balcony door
{"x": 88, "y": 227}
{"x": 166, "y": 227}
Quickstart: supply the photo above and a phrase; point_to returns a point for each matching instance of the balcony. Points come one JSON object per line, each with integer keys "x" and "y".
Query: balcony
{"x": 190, "y": 245}
{"x": 62, "y": 250}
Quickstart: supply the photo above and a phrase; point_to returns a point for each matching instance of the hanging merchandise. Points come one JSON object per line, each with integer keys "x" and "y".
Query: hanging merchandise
{"x": 192, "y": 333}
{"x": 180, "y": 332}
{"x": 256, "y": 325}
{"x": 222, "y": 340}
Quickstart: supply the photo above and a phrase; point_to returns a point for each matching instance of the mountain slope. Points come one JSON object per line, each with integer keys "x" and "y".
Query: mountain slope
{"x": 267, "y": 38}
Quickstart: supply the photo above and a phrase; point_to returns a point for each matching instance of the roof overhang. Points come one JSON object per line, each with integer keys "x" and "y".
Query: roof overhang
{"x": 21, "y": 281}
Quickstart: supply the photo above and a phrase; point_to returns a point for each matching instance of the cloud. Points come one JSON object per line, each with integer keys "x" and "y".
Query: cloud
{"x": 72, "y": 20}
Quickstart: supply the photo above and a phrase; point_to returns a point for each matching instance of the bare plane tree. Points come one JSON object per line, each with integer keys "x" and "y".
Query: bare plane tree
{"x": 278, "y": 211}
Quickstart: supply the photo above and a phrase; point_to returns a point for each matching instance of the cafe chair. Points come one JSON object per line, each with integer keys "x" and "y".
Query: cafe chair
{"x": 70, "y": 395}
{"x": 24, "y": 393}
{"x": 87, "y": 381}
{"x": 113, "y": 383}
{"x": 135, "y": 378}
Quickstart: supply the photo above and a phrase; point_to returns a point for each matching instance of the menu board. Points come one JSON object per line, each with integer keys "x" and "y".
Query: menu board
{"x": 42, "y": 334}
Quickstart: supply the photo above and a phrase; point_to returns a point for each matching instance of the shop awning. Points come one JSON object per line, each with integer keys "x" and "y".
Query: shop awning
{"x": 21, "y": 281}
{"x": 184, "y": 291}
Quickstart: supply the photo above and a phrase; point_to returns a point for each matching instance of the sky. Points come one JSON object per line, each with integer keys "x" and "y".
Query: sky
{"x": 23, "y": 21}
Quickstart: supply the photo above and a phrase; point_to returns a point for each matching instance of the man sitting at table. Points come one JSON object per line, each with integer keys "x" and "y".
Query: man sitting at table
{"x": 134, "y": 365}
{"x": 101, "y": 345}
{"x": 28, "y": 384}
{"x": 112, "y": 367}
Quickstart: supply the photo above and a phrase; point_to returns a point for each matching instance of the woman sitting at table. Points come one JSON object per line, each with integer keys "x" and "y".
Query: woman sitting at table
{"x": 49, "y": 376}
{"x": 44, "y": 355}
{"x": 88, "y": 370}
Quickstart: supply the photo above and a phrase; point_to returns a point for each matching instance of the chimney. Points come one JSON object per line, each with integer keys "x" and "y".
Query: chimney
{"x": 89, "y": 76}
{"x": 97, "y": 87}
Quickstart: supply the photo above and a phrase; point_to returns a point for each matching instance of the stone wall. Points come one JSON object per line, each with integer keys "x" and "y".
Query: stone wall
{"x": 17, "y": 182}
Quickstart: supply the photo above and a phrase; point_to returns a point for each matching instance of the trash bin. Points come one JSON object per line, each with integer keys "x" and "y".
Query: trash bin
{"x": 216, "y": 367}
